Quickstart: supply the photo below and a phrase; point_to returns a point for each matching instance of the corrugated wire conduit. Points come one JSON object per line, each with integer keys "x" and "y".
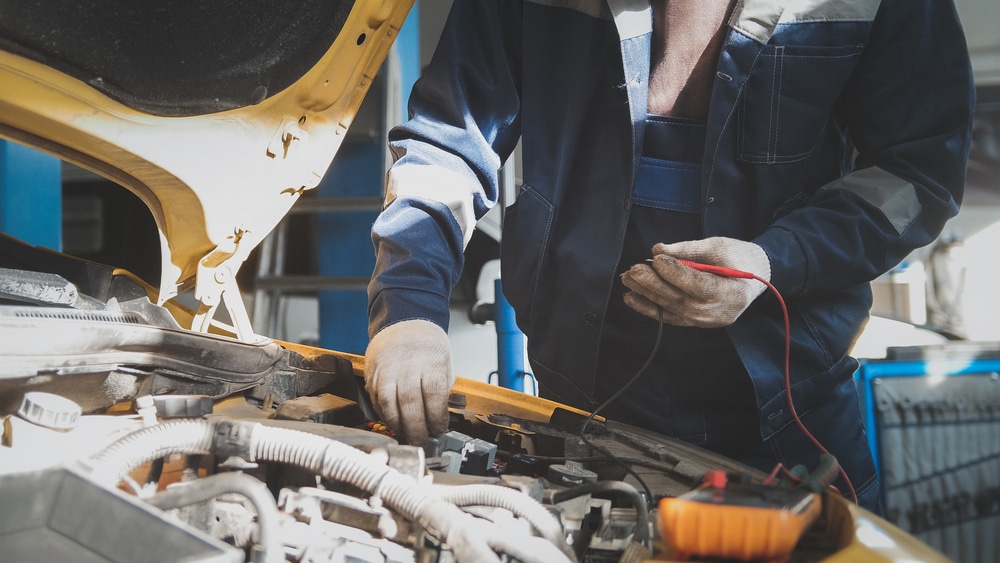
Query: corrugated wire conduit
{"x": 471, "y": 538}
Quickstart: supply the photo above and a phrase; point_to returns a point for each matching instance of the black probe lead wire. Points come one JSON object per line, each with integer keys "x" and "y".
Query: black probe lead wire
{"x": 611, "y": 399}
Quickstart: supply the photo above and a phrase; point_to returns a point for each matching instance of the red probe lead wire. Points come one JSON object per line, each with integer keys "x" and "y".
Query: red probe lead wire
{"x": 734, "y": 273}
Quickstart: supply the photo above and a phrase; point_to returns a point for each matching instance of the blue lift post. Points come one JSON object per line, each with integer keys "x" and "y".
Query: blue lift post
{"x": 510, "y": 344}
{"x": 345, "y": 245}
{"x": 30, "y": 195}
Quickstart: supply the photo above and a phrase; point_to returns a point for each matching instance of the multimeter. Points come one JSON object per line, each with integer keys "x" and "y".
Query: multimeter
{"x": 737, "y": 520}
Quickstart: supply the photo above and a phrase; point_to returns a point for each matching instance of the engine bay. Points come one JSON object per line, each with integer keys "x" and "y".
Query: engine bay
{"x": 245, "y": 483}
{"x": 128, "y": 438}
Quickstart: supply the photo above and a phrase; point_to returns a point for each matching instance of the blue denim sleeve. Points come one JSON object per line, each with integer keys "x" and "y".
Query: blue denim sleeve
{"x": 908, "y": 110}
{"x": 464, "y": 122}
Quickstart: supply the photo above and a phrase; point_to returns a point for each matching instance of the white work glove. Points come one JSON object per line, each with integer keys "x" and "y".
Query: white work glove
{"x": 408, "y": 375}
{"x": 688, "y": 297}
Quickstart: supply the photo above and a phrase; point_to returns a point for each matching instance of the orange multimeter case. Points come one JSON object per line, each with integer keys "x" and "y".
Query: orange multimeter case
{"x": 737, "y": 520}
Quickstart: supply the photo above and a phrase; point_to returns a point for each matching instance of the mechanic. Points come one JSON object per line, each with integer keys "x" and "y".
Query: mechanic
{"x": 814, "y": 144}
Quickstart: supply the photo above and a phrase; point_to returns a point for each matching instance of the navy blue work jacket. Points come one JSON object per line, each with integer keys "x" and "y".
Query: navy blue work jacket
{"x": 837, "y": 139}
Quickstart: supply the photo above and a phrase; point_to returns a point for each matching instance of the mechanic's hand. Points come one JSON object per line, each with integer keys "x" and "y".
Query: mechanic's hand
{"x": 408, "y": 375}
{"x": 688, "y": 297}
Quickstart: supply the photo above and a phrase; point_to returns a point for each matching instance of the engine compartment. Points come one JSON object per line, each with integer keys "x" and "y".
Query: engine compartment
{"x": 128, "y": 438}
{"x": 246, "y": 484}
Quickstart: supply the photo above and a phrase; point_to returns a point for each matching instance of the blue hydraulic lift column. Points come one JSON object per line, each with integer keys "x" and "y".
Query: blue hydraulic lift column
{"x": 30, "y": 195}
{"x": 358, "y": 171}
{"x": 510, "y": 343}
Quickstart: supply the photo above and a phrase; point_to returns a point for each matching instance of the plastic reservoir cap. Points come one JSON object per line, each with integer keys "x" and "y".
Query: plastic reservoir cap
{"x": 573, "y": 473}
{"x": 715, "y": 478}
{"x": 50, "y": 411}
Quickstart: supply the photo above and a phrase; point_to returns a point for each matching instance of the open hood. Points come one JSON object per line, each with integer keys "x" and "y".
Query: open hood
{"x": 216, "y": 115}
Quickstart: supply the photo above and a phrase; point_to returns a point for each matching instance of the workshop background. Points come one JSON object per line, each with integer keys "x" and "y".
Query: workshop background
{"x": 930, "y": 355}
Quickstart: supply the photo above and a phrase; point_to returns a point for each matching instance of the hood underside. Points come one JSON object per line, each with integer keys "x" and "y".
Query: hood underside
{"x": 217, "y": 116}
{"x": 181, "y": 58}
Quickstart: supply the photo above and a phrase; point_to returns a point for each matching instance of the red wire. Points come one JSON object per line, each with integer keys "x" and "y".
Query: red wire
{"x": 733, "y": 273}
{"x": 774, "y": 473}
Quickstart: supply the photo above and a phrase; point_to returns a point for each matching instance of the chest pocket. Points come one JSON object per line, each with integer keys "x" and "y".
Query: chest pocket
{"x": 788, "y": 98}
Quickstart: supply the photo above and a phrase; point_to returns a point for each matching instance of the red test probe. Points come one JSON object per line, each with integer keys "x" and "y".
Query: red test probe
{"x": 734, "y": 273}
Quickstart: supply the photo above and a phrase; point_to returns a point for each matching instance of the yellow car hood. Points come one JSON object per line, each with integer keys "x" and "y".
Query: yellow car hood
{"x": 217, "y": 116}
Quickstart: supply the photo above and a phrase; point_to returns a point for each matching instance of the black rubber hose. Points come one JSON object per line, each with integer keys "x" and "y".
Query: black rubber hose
{"x": 638, "y": 502}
